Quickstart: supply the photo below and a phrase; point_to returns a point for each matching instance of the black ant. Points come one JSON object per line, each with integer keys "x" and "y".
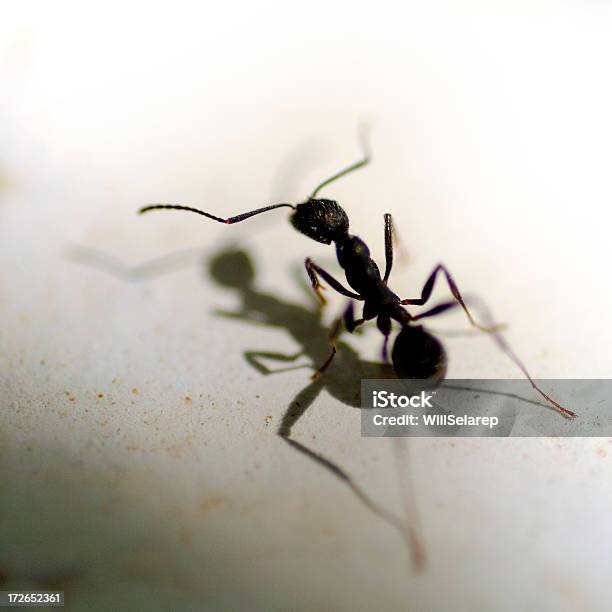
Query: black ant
{"x": 416, "y": 354}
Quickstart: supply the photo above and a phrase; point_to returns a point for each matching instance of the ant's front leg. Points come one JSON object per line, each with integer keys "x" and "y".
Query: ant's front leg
{"x": 428, "y": 289}
{"x": 388, "y": 246}
{"x": 391, "y": 236}
{"x": 313, "y": 269}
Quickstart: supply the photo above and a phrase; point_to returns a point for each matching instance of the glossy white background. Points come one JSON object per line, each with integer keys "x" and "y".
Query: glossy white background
{"x": 491, "y": 132}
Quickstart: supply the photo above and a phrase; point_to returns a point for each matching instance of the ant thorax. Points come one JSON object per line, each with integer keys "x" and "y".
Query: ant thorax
{"x": 361, "y": 271}
{"x": 352, "y": 251}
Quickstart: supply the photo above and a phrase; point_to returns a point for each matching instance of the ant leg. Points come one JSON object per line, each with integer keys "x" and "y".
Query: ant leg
{"x": 439, "y": 309}
{"x": 351, "y": 324}
{"x": 228, "y": 221}
{"x": 428, "y": 288}
{"x": 349, "y": 319}
{"x": 391, "y": 236}
{"x": 384, "y": 325}
{"x": 335, "y": 332}
{"x": 505, "y": 348}
{"x": 443, "y": 307}
{"x": 313, "y": 269}
{"x": 388, "y": 246}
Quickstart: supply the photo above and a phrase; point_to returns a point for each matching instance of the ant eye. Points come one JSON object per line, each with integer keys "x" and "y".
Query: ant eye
{"x": 418, "y": 355}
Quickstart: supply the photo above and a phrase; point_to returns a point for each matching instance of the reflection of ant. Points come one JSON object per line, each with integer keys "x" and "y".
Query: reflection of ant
{"x": 416, "y": 353}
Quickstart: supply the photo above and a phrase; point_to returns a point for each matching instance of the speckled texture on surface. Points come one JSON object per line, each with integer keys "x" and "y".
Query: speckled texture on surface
{"x": 139, "y": 463}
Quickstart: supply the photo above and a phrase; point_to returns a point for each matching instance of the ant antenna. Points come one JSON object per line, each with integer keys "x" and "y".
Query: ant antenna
{"x": 229, "y": 220}
{"x": 363, "y": 162}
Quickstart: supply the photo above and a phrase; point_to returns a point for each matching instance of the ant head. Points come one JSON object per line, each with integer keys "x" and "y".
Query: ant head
{"x": 418, "y": 355}
{"x": 322, "y": 220}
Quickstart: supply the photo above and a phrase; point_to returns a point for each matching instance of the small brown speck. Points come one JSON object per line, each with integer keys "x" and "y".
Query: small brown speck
{"x": 100, "y": 395}
{"x": 187, "y": 399}
{"x": 135, "y": 391}
{"x": 209, "y": 504}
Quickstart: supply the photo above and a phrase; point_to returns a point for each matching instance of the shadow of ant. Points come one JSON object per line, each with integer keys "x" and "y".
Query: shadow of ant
{"x": 233, "y": 268}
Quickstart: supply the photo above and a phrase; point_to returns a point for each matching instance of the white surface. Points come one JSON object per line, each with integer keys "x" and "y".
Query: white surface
{"x": 491, "y": 134}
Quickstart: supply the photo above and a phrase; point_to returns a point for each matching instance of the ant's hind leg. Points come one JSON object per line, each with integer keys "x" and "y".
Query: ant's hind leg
{"x": 428, "y": 289}
{"x": 313, "y": 270}
{"x": 504, "y": 347}
{"x": 351, "y": 324}
{"x": 439, "y": 309}
{"x": 444, "y": 306}
{"x": 335, "y": 332}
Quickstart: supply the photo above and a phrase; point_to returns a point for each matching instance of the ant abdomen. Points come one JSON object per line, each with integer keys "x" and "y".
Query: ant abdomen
{"x": 417, "y": 355}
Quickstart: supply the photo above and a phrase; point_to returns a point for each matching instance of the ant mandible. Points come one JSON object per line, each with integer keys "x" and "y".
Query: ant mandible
{"x": 416, "y": 353}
